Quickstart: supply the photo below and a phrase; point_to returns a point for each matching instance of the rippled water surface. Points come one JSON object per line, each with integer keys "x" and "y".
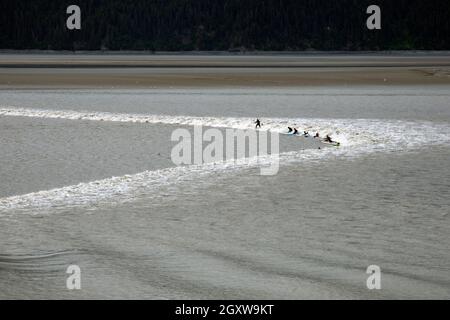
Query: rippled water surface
{"x": 86, "y": 179}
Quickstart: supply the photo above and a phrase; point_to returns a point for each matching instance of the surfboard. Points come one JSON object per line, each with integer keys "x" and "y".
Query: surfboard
{"x": 334, "y": 144}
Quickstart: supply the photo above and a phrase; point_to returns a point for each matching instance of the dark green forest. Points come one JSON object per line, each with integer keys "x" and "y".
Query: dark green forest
{"x": 225, "y": 25}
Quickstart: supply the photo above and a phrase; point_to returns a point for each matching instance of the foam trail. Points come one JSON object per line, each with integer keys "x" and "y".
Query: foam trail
{"x": 125, "y": 188}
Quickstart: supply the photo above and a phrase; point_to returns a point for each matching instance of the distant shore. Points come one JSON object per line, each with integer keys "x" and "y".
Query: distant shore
{"x": 138, "y": 70}
{"x": 227, "y": 53}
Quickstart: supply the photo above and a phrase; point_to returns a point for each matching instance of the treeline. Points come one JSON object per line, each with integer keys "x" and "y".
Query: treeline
{"x": 184, "y": 25}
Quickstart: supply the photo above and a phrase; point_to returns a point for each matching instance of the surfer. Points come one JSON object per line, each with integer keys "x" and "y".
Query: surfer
{"x": 328, "y": 139}
{"x": 317, "y": 135}
{"x": 258, "y": 124}
{"x": 289, "y": 130}
{"x": 295, "y": 131}
{"x": 306, "y": 134}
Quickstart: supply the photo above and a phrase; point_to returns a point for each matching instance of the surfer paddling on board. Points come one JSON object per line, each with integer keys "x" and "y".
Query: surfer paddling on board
{"x": 295, "y": 131}
{"x": 289, "y": 130}
{"x": 258, "y": 124}
{"x": 329, "y": 140}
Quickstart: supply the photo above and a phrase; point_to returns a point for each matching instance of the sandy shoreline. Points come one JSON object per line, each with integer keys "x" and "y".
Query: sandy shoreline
{"x": 24, "y": 71}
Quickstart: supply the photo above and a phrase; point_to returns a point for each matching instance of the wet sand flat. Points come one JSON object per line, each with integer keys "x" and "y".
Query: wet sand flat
{"x": 146, "y": 71}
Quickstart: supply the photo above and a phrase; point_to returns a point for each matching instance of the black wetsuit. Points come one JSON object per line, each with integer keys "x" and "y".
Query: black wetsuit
{"x": 295, "y": 131}
{"x": 289, "y": 129}
{"x": 258, "y": 124}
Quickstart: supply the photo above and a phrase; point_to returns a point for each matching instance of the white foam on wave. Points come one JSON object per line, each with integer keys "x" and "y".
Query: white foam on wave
{"x": 360, "y": 136}
{"x": 350, "y": 132}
